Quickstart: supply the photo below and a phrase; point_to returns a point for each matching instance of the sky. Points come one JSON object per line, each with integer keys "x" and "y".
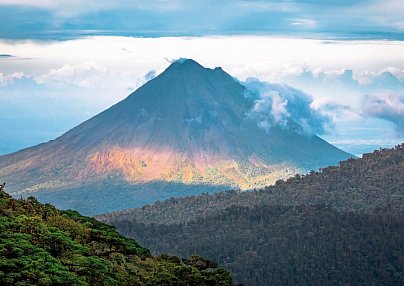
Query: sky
{"x": 335, "y": 66}
{"x": 49, "y": 19}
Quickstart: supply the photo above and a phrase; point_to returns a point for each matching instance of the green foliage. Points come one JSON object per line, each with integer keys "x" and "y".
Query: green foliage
{"x": 40, "y": 245}
{"x": 200, "y": 262}
{"x": 342, "y": 225}
{"x": 23, "y": 263}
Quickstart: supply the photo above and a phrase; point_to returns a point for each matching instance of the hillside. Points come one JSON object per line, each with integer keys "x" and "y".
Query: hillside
{"x": 368, "y": 184}
{"x": 343, "y": 225}
{"x": 184, "y": 132}
{"x": 40, "y": 245}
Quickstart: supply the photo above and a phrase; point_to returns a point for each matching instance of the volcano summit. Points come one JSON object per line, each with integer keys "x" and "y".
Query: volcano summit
{"x": 183, "y": 132}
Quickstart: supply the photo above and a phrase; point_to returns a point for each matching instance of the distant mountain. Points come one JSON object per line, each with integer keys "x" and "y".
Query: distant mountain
{"x": 343, "y": 225}
{"x": 40, "y": 245}
{"x": 184, "y": 132}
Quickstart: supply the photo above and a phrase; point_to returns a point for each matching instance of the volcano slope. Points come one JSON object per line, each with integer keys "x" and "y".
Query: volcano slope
{"x": 186, "y": 131}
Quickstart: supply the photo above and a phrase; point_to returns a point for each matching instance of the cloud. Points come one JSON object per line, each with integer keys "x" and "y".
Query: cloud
{"x": 281, "y": 105}
{"x": 270, "y": 110}
{"x": 8, "y": 78}
{"x": 397, "y": 72}
{"x": 335, "y": 108}
{"x": 84, "y": 75}
{"x": 386, "y": 13}
{"x": 304, "y": 23}
{"x": 81, "y": 7}
{"x": 348, "y": 95}
{"x": 388, "y": 106}
{"x": 150, "y": 75}
{"x": 44, "y": 19}
{"x": 6, "y": 56}
{"x": 388, "y": 78}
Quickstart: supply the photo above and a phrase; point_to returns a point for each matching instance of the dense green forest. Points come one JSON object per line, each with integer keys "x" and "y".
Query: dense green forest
{"x": 40, "y": 245}
{"x": 343, "y": 225}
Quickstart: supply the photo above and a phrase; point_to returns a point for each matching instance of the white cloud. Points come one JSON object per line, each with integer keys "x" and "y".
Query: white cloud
{"x": 270, "y": 110}
{"x": 85, "y": 75}
{"x": 279, "y": 105}
{"x": 381, "y": 103}
{"x": 388, "y": 106}
{"x": 7, "y": 78}
{"x": 304, "y": 23}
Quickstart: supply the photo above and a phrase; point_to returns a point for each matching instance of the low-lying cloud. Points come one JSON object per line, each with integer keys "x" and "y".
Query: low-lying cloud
{"x": 281, "y": 105}
{"x": 388, "y": 106}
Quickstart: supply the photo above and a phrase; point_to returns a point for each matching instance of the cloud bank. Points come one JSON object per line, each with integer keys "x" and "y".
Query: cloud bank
{"x": 282, "y": 105}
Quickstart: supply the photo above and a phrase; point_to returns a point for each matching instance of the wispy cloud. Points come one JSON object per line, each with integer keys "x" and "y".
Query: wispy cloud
{"x": 266, "y": 6}
{"x": 304, "y": 23}
{"x": 388, "y": 106}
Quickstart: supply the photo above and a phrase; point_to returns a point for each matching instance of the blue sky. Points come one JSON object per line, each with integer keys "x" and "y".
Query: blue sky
{"x": 49, "y": 19}
{"x": 62, "y": 62}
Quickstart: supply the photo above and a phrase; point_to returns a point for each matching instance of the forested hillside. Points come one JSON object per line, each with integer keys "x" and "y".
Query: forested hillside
{"x": 40, "y": 245}
{"x": 343, "y": 225}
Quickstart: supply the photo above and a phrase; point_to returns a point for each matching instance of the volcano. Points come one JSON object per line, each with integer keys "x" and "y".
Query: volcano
{"x": 184, "y": 132}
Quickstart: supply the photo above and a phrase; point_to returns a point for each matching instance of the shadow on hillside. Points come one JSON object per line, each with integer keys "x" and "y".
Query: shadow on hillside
{"x": 108, "y": 196}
